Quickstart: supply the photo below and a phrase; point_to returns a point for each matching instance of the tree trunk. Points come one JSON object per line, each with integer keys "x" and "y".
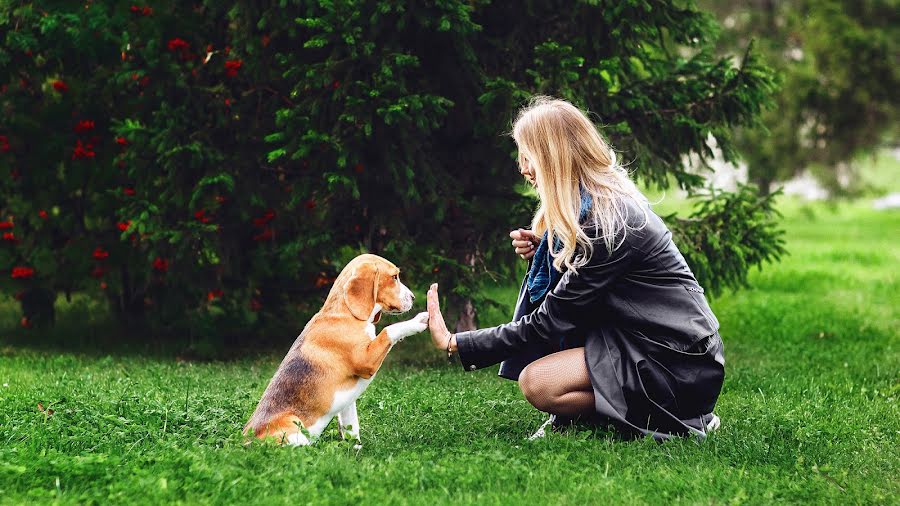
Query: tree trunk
{"x": 37, "y": 307}
{"x": 765, "y": 186}
{"x": 129, "y": 303}
{"x": 468, "y": 317}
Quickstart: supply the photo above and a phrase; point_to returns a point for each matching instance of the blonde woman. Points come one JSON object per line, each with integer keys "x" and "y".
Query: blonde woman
{"x": 611, "y": 326}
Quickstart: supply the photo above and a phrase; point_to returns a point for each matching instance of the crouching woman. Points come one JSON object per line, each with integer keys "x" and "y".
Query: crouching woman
{"x": 611, "y": 325}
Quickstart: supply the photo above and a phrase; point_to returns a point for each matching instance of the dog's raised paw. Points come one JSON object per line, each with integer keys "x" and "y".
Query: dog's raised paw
{"x": 398, "y": 331}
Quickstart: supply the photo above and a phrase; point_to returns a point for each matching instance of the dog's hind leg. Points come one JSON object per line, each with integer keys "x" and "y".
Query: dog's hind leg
{"x": 286, "y": 429}
{"x": 348, "y": 420}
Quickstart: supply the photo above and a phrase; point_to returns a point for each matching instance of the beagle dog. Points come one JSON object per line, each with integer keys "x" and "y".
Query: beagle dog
{"x": 336, "y": 356}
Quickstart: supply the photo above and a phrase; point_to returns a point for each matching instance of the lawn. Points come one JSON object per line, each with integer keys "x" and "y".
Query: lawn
{"x": 809, "y": 411}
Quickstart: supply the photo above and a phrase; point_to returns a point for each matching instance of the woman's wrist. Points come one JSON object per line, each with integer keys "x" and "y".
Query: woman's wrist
{"x": 451, "y": 342}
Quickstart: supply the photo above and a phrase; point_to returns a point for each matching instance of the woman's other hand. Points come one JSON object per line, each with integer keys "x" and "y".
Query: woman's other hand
{"x": 440, "y": 336}
{"x": 525, "y": 242}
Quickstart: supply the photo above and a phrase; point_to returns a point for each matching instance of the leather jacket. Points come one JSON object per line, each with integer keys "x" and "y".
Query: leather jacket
{"x": 644, "y": 288}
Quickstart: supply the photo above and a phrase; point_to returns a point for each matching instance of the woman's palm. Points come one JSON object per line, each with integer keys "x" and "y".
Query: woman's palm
{"x": 439, "y": 333}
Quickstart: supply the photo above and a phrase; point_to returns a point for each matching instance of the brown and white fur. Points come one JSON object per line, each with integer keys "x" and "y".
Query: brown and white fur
{"x": 336, "y": 356}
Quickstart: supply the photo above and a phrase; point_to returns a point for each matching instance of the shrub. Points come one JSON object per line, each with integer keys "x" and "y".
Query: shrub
{"x": 215, "y": 165}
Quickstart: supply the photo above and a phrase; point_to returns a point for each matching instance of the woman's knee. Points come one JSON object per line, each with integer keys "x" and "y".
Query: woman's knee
{"x": 535, "y": 390}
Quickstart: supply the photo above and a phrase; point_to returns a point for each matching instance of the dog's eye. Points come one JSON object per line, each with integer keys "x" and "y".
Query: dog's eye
{"x": 396, "y": 277}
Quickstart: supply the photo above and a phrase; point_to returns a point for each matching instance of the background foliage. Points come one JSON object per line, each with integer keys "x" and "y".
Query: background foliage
{"x": 214, "y": 165}
{"x": 839, "y": 64}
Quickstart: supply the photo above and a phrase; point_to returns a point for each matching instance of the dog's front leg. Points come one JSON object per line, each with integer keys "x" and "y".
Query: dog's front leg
{"x": 348, "y": 420}
{"x": 368, "y": 357}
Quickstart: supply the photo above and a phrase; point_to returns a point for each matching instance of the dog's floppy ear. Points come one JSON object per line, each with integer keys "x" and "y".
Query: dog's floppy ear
{"x": 361, "y": 291}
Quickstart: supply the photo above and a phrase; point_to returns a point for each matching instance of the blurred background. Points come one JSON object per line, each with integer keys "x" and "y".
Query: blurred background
{"x": 191, "y": 176}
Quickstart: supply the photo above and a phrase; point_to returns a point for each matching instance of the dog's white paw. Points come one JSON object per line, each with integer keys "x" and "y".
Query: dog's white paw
{"x": 421, "y": 318}
{"x": 399, "y": 331}
{"x": 418, "y": 324}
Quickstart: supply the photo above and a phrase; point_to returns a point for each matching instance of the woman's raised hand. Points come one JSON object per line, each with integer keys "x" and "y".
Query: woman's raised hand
{"x": 440, "y": 336}
{"x": 525, "y": 242}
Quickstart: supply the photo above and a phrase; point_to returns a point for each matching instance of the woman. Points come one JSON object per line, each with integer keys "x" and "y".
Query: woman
{"x": 611, "y": 325}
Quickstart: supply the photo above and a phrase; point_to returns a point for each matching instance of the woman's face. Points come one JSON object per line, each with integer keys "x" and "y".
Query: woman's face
{"x": 527, "y": 171}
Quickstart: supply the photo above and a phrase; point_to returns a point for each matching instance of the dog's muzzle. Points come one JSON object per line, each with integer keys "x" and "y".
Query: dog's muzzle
{"x": 407, "y": 301}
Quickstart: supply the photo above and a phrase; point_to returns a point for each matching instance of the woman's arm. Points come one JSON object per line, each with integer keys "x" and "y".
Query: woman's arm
{"x": 574, "y": 297}
{"x": 524, "y": 241}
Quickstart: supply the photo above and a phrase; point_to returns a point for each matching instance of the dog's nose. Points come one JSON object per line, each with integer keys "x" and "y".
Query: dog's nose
{"x": 412, "y": 295}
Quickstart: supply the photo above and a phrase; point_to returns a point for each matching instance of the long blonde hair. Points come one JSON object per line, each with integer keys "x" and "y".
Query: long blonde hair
{"x": 568, "y": 153}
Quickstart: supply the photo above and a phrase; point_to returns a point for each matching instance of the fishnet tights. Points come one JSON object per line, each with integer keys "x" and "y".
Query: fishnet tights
{"x": 559, "y": 384}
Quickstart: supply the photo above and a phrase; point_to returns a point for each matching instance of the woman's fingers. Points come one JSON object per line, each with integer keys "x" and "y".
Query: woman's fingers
{"x": 524, "y": 249}
{"x": 521, "y": 250}
{"x": 522, "y": 234}
{"x": 432, "y": 303}
{"x": 434, "y": 308}
{"x": 524, "y": 242}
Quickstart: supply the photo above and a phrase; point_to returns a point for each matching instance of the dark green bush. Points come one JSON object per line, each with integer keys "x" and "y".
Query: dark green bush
{"x": 213, "y": 164}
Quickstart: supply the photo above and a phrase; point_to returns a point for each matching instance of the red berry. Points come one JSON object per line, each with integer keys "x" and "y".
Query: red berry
{"x": 22, "y": 272}
{"x": 178, "y": 44}
{"x": 161, "y": 264}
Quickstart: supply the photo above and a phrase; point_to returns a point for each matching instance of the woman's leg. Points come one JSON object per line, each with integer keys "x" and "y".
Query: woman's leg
{"x": 559, "y": 384}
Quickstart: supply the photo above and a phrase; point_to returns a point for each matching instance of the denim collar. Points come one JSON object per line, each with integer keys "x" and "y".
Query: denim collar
{"x": 542, "y": 274}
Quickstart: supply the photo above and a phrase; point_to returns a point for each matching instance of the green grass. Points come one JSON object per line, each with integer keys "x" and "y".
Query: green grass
{"x": 809, "y": 411}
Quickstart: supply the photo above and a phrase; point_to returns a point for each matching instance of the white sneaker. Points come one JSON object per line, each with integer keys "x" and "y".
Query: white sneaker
{"x": 542, "y": 430}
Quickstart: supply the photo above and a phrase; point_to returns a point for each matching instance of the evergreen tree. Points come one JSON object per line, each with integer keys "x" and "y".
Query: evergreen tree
{"x": 432, "y": 88}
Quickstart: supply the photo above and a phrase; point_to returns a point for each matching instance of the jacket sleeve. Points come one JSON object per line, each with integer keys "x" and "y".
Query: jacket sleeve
{"x": 558, "y": 315}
